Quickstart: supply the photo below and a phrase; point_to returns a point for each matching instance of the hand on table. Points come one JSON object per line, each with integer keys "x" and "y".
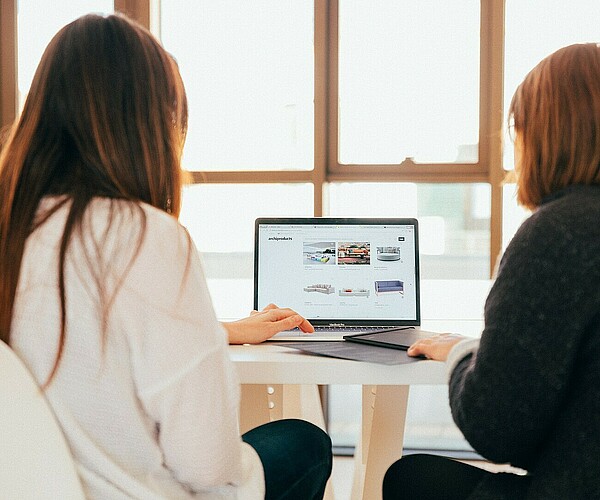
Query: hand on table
{"x": 436, "y": 347}
{"x": 262, "y": 325}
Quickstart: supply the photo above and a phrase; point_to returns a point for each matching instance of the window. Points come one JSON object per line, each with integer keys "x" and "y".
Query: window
{"x": 531, "y": 36}
{"x": 335, "y": 95}
{"x": 408, "y": 81}
{"x": 220, "y": 219}
{"x": 248, "y": 70}
{"x": 37, "y": 23}
{"x": 453, "y": 221}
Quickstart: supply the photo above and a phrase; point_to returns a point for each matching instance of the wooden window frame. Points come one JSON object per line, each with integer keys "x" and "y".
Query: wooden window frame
{"x": 8, "y": 62}
{"x": 327, "y": 169}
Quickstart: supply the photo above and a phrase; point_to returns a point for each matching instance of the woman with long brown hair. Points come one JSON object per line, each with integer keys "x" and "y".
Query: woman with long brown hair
{"x": 102, "y": 293}
{"x": 528, "y": 392}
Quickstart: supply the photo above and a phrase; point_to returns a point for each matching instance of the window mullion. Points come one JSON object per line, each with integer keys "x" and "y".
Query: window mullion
{"x": 8, "y": 62}
{"x": 321, "y": 85}
{"x": 136, "y": 9}
{"x": 492, "y": 78}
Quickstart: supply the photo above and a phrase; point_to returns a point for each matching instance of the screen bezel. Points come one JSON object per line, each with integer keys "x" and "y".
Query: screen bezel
{"x": 345, "y": 221}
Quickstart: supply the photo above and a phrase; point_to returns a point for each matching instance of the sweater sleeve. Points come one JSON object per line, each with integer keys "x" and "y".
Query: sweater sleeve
{"x": 505, "y": 396}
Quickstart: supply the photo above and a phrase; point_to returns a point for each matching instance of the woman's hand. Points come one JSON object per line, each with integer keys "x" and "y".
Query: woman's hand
{"x": 262, "y": 325}
{"x": 436, "y": 347}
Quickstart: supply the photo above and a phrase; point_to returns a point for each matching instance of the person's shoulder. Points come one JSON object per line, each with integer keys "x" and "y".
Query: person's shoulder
{"x": 565, "y": 226}
{"x": 159, "y": 220}
{"x": 150, "y": 247}
{"x": 135, "y": 209}
{"x": 572, "y": 211}
{"x": 574, "y": 202}
{"x": 127, "y": 227}
{"x": 135, "y": 217}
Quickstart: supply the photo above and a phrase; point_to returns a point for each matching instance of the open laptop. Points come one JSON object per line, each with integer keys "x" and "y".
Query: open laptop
{"x": 345, "y": 275}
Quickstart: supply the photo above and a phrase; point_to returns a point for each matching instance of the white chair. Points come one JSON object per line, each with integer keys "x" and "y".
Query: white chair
{"x": 35, "y": 461}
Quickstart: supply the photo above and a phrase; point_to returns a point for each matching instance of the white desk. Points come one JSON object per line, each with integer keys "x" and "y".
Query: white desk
{"x": 282, "y": 383}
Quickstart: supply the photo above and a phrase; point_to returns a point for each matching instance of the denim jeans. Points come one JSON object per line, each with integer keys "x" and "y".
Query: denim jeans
{"x": 296, "y": 457}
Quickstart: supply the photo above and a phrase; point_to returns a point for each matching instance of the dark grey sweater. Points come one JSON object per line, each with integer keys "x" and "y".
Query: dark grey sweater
{"x": 530, "y": 396}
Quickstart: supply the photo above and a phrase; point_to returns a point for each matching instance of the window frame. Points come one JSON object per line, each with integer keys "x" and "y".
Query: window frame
{"x": 8, "y": 62}
{"x": 408, "y": 169}
{"x": 488, "y": 169}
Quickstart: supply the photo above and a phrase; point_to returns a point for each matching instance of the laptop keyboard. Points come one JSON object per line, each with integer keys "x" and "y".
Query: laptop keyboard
{"x": 350, "y": 329}
{"x": 346, "y": 330}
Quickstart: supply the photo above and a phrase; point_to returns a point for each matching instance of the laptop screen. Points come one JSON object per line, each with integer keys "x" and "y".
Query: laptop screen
{"x": 342, "y": 270}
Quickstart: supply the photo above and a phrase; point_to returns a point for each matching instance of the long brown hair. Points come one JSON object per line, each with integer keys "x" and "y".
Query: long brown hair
{"x": 106, "y": 116}
{"x": 556, "y": 117}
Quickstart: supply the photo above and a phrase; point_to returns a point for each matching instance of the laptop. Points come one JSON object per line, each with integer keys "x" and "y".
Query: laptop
{"x": 345, "y": 275}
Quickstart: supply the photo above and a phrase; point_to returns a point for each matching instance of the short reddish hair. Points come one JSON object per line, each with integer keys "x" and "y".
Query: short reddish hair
{"x": 556, "y": 116}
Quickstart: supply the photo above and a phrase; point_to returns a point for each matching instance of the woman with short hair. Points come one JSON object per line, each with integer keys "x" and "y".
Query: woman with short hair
{"x": 528, "y": 392}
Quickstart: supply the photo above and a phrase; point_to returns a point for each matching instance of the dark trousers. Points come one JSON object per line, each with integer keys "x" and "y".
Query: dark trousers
{"x": 429, "y": 477}
{"x": 296, "y": 457}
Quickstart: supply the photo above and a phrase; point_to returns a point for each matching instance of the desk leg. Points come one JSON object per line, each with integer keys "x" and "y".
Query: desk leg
{"x": 381, "y": 440}
{"x": 254, "y": 406}
{"x": 264, "y": 403}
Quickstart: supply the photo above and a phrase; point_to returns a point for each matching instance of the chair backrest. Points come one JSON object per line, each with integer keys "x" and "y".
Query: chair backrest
{"x": 35, "y": 461}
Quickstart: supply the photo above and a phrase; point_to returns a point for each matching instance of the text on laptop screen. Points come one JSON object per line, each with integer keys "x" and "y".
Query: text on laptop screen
{"x": 343, "y": 271}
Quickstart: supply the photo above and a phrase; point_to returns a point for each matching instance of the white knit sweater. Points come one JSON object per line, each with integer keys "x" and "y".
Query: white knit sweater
{"x": 151, "y": 412}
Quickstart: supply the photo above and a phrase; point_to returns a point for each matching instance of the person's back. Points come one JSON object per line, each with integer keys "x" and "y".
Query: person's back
{"x": 537, "y": 406}
{"x": 102, "y": 292}
{"x": 163, "y": 355}
{"x": 527, "y": 393}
